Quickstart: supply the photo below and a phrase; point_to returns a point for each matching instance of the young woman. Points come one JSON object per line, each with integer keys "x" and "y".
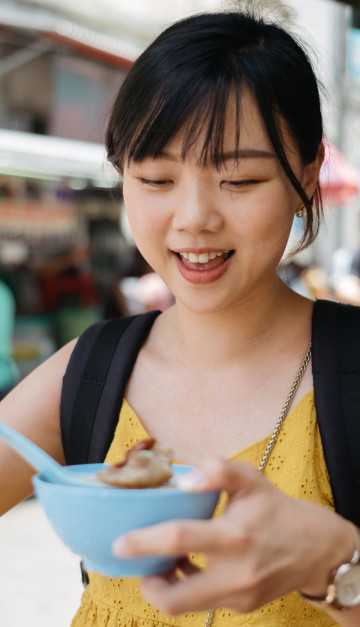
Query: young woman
{"x": 217, "y": 132}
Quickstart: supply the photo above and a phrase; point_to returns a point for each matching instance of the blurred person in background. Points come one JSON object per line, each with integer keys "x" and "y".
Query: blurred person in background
{"x": 9, "y": 375}
{"x": 345, "y": 275}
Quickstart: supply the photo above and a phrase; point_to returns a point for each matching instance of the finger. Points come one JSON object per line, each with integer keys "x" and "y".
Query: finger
{"x": 219, "y": 474}
{"x": 170, "y": 538}
{"x": 181, "y": 537}
{"x": 170, "y": 598}
{"x": 197, "y": 592}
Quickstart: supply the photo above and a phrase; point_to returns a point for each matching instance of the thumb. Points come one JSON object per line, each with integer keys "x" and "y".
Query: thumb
{"x": 220, "y": 474}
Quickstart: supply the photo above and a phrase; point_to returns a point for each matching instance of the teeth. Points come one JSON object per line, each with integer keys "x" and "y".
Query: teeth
{"x": 203, "y": 257}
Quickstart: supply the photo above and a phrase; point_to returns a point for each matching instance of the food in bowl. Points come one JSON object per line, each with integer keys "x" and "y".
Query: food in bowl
{"x": 147, "y": 464}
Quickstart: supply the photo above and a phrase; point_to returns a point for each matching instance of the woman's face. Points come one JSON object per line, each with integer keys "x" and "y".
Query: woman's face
{"x": 216, "y": 236}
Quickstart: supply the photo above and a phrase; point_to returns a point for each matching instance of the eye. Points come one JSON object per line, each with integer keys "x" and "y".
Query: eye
{"x": 239, "y": 184}
{"x": 154, "y": 182}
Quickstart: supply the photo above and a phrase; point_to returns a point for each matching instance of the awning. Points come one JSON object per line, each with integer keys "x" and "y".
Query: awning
{"x": 339, "y": 180}
{"x": 49, "y": 27}
{"x": 54, "y": 158}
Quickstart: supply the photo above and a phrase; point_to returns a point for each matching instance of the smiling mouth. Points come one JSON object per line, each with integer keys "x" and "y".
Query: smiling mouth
{"x": 205, "y": 260}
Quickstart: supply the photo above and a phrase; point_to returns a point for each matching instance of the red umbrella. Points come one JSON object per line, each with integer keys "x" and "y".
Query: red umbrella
{"x": 339, "y": 180}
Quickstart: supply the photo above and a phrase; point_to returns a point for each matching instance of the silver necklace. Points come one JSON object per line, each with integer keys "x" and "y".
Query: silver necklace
{"x": 275, "y": 434}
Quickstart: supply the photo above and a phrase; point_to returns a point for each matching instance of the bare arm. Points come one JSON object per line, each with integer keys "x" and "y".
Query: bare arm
{"x": 33, "y": 408}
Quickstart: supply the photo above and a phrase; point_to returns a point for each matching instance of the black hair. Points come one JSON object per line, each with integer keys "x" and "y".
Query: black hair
{"x": 185, "y": 76}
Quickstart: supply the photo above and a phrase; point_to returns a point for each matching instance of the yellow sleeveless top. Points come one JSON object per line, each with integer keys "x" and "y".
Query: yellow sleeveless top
{"x": 117, "y": 602}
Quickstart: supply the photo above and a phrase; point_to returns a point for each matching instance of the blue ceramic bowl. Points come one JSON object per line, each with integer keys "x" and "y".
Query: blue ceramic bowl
{"x": 89, "y": 519}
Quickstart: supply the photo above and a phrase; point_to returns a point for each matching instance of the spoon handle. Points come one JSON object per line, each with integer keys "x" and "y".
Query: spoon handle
{"x": 34, "y": 455}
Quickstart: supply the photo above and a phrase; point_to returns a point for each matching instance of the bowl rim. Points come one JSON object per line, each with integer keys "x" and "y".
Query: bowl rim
{"x": 170, "y": 490}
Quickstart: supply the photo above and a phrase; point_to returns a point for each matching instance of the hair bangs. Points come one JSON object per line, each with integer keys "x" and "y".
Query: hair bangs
{"x": 200, "y": 117}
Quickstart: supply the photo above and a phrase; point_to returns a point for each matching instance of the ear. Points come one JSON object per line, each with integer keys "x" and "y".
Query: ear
{"x": 312, "y": 171}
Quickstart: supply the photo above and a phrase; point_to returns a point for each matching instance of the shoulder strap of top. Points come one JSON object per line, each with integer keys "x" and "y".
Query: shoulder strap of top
{"x": 336, "y": 371}
{"x": 94, "y": 384}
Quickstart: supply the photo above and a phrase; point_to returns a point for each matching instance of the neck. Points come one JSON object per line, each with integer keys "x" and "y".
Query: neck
{"x": 255, "y": 325}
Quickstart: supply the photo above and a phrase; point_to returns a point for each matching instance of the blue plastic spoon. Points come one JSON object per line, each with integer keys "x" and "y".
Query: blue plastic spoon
{"x": 43, "y": 463}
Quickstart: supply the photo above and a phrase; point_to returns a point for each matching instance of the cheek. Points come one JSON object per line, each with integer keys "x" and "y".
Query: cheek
{"x": 267, "y": 223}
{"x": 145, "y": 227}
{"x": 145, "y": 232}
{"x": 137, "y": 216}
{"x": 144, "y": 214}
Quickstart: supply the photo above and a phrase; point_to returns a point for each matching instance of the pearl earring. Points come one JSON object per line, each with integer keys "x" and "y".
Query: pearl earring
{"x": 301, "y": 212}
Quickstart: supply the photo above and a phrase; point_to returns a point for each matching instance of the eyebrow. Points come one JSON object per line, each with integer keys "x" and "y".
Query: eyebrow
{"x": 246, "y": 153}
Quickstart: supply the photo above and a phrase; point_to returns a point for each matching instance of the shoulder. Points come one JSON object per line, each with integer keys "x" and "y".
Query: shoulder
{"x": 33, "y": 406}
{"x": 329, "y": 315}
{"x": 335, "y": 338}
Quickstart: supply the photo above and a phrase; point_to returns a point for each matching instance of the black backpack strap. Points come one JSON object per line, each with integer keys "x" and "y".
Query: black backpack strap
{"x": 336, "y": 372}
{"x": 94, "y": 384}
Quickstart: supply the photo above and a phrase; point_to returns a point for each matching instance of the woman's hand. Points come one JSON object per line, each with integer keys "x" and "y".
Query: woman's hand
{"x": 265, "y": 545}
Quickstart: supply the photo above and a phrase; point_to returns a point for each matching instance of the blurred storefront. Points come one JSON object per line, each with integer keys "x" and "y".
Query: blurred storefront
{"x": 62, "y": 249}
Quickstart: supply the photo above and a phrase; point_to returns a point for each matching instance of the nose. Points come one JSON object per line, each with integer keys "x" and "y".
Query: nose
{"x": 196, "y": 208}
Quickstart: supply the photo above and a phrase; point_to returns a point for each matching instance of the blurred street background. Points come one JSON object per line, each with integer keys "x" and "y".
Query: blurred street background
{"x": 40, "y": 582}
{"x": 67, "y": 257}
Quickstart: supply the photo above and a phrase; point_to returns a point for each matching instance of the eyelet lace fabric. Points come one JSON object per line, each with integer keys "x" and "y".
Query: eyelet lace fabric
{"x": 117, "y": 602}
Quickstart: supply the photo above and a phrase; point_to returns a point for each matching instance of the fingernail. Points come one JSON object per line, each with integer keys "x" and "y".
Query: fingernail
{"x": 119, "y": 547}
{"x": 193, "y": 481}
